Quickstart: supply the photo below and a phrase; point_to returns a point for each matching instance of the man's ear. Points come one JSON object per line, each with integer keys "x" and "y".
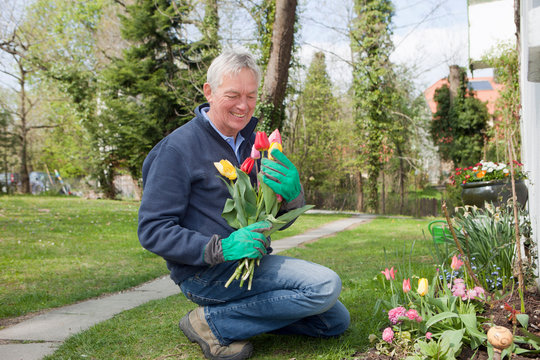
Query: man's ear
{"x": 207, "y": 90}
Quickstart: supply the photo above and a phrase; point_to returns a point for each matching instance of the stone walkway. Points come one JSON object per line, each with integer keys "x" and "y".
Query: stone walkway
{"x": 39, "y": 336}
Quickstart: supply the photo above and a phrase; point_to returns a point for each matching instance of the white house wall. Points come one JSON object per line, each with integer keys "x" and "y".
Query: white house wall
{"x": 487, "y": 32}
{"x": 530, "y": 101}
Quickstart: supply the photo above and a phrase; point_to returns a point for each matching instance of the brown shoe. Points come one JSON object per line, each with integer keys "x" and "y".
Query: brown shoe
{"x": 195, "y": 327}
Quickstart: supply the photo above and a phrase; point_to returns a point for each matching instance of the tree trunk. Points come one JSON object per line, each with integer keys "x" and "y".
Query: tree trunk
{"x": 453, "y": 80}
{"x": 277, "y": 72}
{"x": 383, "y": 194}
{"x": 24, "y": 176}
{"x": 359, "y": 193}
{"x": 401, "y": 183}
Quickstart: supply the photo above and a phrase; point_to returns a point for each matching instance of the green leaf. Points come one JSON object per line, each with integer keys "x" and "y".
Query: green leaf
{"x": 247, "y": 189}
{"x": 519, "y": 350}
{"x": 230, "y": 215}
{"x": 472, "y": 328}
{"x": 286, "y": 218}
{"x": 246, "y": 194}
{"x": 271, "y": 204}
{"x": 440, "y": 317}
{"x": 241, "y": 214}
{"x": 523, "y": 320}
{"x": 450, "y": 342}
{"x": 428, "y": 348}
{"x": 490, "y": 351}
{"x": 452, "y": 303}
{"x": 441, "y": 302}
{"x": 227, "y": 183}
{"x": 530, "y": 336}
{"x": 507, "y": 353}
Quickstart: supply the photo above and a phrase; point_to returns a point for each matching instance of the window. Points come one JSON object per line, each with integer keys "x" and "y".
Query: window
{"x": 479, "y": 85}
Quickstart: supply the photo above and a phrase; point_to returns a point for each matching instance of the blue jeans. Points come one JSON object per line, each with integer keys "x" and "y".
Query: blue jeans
{"x": 288, "y": 296}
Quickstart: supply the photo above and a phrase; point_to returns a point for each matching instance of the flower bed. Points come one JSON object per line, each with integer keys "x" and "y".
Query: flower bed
{"x": 397, "y": 341}
{"x": 473, "y": 289}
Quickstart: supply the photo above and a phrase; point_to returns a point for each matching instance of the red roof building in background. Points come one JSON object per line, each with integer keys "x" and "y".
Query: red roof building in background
{"x": 485, "y": 89}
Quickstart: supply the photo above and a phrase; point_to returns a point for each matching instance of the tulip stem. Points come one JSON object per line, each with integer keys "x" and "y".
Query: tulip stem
{"x": 234, "y": 276}
{"x": 244, "y": 271}
{"x": 251, "y": 272}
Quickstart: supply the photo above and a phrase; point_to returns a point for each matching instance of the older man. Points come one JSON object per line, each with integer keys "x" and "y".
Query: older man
{"x": 180, "y": 220}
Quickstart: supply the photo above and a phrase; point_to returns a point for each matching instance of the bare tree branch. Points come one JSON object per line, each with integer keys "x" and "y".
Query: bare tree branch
{"x": 426, "y": 17}
{"x": 42, "y": 127}
{"x": 10, "y": 74}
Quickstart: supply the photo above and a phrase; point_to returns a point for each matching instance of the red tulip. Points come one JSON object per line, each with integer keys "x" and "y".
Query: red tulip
{"x": 261, "y": 141}
{"x": 247, "y": 165}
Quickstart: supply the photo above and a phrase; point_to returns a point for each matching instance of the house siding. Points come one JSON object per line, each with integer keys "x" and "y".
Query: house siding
{"x": 530, "y": 114}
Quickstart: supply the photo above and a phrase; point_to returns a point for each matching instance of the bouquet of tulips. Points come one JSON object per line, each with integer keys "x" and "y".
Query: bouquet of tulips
{"x": 249, "y": 203}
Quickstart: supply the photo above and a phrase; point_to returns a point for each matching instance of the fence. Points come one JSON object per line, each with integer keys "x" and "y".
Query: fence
{"x": 412, "y": 205}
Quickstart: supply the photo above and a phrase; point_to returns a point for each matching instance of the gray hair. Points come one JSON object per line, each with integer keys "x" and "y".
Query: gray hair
{"x": 231, "y": 62}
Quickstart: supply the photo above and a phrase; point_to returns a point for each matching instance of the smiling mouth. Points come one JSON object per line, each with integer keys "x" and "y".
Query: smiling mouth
{"x": 238, "y": 115}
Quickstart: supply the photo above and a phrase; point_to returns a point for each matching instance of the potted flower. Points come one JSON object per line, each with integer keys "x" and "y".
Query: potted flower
{"x": 490, "y": 181}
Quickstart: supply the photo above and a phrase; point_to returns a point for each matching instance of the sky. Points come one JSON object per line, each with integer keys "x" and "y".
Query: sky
{"x": 429, "y": 36}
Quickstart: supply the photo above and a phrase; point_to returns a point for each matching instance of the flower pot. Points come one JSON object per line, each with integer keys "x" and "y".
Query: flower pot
{"x": 497, "y": 192}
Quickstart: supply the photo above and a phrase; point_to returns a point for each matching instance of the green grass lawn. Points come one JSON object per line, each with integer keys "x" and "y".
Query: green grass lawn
{"x": 151, "y": 332}
{"x": 59, "y": 250}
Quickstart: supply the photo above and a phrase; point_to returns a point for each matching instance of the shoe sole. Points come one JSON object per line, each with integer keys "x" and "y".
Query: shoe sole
{"x": 192, "y": 336}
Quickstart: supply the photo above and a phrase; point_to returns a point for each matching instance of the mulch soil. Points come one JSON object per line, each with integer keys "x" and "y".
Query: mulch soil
{"x": 499, "y": 316}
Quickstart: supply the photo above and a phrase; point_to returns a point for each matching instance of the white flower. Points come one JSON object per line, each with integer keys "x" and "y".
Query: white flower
{"x": 506, "y": 171}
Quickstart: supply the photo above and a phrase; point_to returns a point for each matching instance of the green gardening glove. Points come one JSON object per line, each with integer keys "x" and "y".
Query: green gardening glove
{"x": 247, "y": 242}
{"x": 281, "y": 176}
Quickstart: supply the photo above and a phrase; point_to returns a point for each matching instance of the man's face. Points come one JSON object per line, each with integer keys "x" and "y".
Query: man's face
{"x": 232, "y": 104}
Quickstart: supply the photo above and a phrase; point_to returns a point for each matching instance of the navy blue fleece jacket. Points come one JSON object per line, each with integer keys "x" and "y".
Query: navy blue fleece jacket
{"x": 183, "y": 196}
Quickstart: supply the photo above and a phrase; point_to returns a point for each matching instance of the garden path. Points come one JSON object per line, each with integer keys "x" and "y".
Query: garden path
{"x": 39, "y": 336}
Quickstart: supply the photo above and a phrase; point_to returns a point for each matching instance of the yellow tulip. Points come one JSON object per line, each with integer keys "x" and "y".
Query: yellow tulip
{"x": 226, "y": 169}
{"x": 422, "y": 286}
{"x": 273, "y": 146}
